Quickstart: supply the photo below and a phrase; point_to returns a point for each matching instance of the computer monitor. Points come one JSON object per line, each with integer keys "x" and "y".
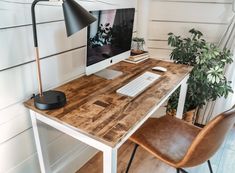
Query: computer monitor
{"x": 109, "y": 38}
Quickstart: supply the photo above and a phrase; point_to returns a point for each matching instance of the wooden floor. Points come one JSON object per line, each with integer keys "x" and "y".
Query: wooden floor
{"x": 222, "y": 162}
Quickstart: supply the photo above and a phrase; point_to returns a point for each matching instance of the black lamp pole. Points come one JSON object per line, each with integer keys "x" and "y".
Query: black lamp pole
{"x": 76, "y": 18}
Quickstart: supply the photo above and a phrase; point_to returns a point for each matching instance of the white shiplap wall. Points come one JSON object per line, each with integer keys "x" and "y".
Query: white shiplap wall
{"x": 17, "y": 71}
{"x": 62, "y": 60}
{"x": 179, "y": 16}
{"x": 160, "y": 17}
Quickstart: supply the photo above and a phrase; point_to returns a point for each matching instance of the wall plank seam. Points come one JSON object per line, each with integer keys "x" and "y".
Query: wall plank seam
{"x": 25, "y": 25}
{"x": 49, "y": 56}
{"x": 196, "y": 2}
{"x": 174, "y": 21}
{"x": 15, "y": 136}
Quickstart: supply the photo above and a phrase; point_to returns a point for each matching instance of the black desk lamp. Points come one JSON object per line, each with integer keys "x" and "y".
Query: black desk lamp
{"x": 76, "y": 18}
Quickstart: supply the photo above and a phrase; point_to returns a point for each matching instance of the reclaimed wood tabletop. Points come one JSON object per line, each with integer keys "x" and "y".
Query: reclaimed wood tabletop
{"x": 95, "y": 109}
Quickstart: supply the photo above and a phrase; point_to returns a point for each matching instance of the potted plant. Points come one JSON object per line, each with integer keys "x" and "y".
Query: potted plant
{"x": 206, "y": 81}
{"x": 137, "y": 45}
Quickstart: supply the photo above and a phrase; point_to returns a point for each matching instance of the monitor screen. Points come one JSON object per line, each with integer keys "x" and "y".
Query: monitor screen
{"x": 110, "y": 35}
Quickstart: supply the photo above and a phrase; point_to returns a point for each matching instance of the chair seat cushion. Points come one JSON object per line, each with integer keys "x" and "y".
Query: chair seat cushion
{"x": 167, "y": 138}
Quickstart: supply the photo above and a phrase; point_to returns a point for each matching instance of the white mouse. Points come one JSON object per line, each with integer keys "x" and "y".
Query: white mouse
{"x": 158, "y": 68}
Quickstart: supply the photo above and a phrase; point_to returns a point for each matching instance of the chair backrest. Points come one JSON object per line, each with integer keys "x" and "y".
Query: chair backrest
{"x": 209, "y": 139}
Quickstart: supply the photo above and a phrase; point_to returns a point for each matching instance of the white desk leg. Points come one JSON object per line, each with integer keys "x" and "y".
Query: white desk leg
{"x": 41, "y": 148}
{"x": 182, "y": 97}
{"x": 110, "y": 161}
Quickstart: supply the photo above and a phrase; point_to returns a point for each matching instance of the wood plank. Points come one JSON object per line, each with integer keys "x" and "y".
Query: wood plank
{"x": 110, "y": 123}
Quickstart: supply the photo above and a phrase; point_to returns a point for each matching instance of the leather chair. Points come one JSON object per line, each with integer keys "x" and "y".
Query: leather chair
{"x": 180, "y": 144}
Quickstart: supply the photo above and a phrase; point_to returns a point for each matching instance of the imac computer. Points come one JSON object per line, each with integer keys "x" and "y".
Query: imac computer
{"x": 109, "y": 40}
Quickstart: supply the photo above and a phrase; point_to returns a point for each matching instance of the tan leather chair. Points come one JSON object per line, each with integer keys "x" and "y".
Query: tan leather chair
{"x": 180, "y": 144}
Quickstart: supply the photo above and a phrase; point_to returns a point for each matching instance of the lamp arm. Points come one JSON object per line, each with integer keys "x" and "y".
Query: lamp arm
{"x": 35, "y": 39}
{"x": 34, "y": 21}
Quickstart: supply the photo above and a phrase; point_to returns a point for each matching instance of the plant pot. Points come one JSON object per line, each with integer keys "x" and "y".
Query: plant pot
{"x": 190, "y": 116}
{"x": 137, "y": 51}
{"x": 137, "y": 47}
{"x": 171, "y": 113}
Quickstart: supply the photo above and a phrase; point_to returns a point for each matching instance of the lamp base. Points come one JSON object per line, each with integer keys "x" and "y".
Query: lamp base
{"x": 50, "y": 100}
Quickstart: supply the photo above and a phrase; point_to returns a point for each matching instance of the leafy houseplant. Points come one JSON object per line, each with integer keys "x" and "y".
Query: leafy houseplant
{"x": 207, "y": 81}
{"x": 137, "y": 45}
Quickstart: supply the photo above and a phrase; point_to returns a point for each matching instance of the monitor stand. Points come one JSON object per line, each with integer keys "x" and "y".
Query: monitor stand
{"x": 109, "y": 74}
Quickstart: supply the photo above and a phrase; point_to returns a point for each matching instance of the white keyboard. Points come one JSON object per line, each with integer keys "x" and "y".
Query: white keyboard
{"x": 139, "y": 84}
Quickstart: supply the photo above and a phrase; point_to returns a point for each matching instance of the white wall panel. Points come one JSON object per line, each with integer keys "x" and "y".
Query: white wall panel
{"x": 209, "y": 16}
{"x": 65, "y": 67}
{"x": 21, "y": 148}
{"x": 12, "y": 14}
{"x": 15, "y": 119}
{"x": 12, "y": 128}
{"x": 52, "y": 39}
{"x": 11, "y": 112}
{"x": 186, "y": 12}
{"x": 16, "y": 150}
{"x": 23, "y": 81}
{"x": 163, "y": 44}
{"x": 160, "y": 30}
{"x": 16, "y": 13}
{"x": 72, "y": 164}
{"x": 15, "y": 46}
{"x": 16, "y": 85}
{"x": 196, "y": 1}
{"x": 61, "y": 146}
{"x": 50, "y": 134}
{"x": 106, "y": 4}
{"x": 161, "y": 54}
{"x": 47, "y": 11}
{"x": 135, "y": 23}
{"x": 30, "y": 165}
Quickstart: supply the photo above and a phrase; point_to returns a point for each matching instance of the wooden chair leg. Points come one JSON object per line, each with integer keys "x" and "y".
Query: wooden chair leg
{"x": 210, "y": 167}
{"x": 132, "y": 157}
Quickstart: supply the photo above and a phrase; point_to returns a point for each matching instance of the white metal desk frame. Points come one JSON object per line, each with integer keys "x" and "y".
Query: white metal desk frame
{"x": 109, "y": 153}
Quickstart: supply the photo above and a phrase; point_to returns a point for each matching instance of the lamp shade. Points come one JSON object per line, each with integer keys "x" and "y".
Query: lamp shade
{"x": 76, "y": 17}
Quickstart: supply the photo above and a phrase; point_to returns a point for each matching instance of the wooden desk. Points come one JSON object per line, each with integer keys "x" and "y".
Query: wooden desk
{"x": 96, "y": 115}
